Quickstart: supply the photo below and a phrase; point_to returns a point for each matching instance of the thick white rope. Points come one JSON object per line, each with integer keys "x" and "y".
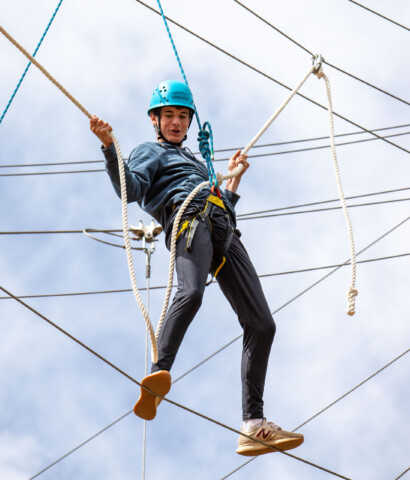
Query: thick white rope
{"x": 351, "y": 291}
{"x": 220, "y": 178}
{"x": 127, "y": 242}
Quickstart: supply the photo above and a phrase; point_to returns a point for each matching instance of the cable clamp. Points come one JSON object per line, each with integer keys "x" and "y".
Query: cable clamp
{"x": 317, "y": 64}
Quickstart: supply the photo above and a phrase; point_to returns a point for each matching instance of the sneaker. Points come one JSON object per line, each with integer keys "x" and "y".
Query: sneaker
{"x": 271, "y": 435}
{"x": 159, "y": 383}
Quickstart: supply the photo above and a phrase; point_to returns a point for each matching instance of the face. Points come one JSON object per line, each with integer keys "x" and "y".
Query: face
{"x": 175, "y": 122}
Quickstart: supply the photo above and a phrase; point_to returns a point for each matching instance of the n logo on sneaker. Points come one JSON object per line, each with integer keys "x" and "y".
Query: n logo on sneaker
{"x": 265, "y": 434}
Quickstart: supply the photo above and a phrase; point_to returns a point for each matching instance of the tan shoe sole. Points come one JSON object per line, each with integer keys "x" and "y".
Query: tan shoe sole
{"x": 253, "y": 449}
{"x": 159, "y": 383}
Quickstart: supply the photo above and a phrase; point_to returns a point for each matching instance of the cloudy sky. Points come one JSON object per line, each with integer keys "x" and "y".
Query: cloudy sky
{"x": 110, "y": 55}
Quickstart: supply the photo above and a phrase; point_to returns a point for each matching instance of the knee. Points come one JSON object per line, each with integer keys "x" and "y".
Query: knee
{"x": 193, "y": 297}
{"x": 266, "y": 328}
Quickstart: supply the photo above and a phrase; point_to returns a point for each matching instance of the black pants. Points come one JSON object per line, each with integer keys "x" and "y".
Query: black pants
{"x": 241, "y": 286}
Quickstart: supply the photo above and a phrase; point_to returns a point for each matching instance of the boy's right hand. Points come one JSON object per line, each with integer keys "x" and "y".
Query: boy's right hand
{"x": 102, "y": 130}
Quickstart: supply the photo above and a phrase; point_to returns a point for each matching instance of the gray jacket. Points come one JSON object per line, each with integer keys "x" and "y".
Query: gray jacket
{"x": 160, "y": 176}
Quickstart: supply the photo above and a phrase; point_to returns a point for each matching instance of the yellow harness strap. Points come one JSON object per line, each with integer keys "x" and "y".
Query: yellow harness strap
{"x": 220, "y": 266}
{"x": 213, "y": 199}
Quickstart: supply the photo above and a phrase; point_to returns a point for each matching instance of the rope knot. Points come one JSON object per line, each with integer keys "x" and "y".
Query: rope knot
{"x": 351, "y": 294}
{"x": 203, "y": 139}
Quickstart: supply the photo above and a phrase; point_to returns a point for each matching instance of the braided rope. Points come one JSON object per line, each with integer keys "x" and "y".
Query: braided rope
{"x": 154, "y": 336}
{"x": 351, "y": 291}
{"x": 127, "y": 242}
{"x": 28, "y": 65}
{"x": 44, "y": 71}
{"x": 239, "y": 168}
{"x": 220, "y": 178}
{"x": 125, "y": 229}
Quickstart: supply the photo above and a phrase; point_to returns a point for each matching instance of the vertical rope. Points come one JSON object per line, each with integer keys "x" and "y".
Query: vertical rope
{"x": 351, "y": 291}
{"x": 128, "y": 249}
{"x": 144, "y": 428}
{"x": 28, "y": 65}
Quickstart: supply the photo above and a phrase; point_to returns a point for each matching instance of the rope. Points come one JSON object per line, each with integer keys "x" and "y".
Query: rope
{"x": 260, "y": 72}
{"x": 127, "y": 242}
{"x": 186, "y": 373}
{"x": 28, "y": 65}
{"x": 220, "y": 178}
{"x": 327, "y": 63}
{"x": 205, "y": 137}
{"x": 44, "y": 71}
{"x": 351, "y": 292}
{"x": 176, "y": 404}
{"x": 123, "y": 191}
{"x": 154, "y": 335}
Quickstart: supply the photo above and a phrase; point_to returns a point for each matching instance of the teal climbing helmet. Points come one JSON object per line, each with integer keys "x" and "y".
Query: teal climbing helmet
{"x": 171, "y": 93}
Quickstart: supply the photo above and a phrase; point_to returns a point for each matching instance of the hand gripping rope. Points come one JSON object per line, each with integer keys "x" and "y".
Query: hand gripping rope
{"x": 316, "y": 68}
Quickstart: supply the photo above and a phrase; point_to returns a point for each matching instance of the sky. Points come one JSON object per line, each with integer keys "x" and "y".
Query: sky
{"x": 54, "y": 394}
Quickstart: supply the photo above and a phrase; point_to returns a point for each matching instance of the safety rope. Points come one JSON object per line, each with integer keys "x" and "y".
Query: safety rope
{"x": 28, "y": 65}
{"x": 315, "y": 68}
{"x": 220, "y": 178}
{"x": 123, "y": 190}
{"x": 205, "y": 136}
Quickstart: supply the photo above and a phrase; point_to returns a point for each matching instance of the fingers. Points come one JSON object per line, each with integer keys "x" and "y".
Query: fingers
{"x": 97, "y": 125}
{"x": 102, "y": 130}
{"x": 240, "y": 158}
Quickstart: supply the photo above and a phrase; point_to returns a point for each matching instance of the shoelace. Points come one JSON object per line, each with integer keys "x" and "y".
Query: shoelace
{"x": 271, "y": 425}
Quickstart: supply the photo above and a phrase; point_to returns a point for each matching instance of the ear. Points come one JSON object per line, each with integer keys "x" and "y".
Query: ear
{"x": 154, "y": 118}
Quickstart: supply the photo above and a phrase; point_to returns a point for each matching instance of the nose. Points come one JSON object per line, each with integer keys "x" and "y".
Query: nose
{"x": 176, "y": 121}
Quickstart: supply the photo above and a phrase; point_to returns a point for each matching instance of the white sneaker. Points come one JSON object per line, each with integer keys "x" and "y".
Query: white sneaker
{"x": 272, "y": 436}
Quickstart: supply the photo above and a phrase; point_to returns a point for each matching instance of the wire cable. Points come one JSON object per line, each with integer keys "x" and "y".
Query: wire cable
{"x": 221, "y": 349}
{"x": 194, "y": 412}
{"x": 307, "y": 149}
{"x": 331, "y": 405}
{"x": 269, "y": 77}
{"x": 326, "y": 62}
{"x": 82, "y": 162}
{"x": 379, "y": 14}
{"x": 194, "y": 368}
{"x": 239, "y": 216}
{"x": 337, "y": 268}
{"x": 324, "y": 202}
{"x": 162, "y": 287}
{"x": 28, "y": 65}
{"x": 256, "y": 217}
{"x": 402, "y": 474}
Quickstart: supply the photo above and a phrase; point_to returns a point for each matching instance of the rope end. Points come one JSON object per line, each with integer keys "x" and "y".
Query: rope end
{"x": 351, "y": 294}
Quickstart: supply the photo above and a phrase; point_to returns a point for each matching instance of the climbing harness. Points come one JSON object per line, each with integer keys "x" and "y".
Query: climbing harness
{"x": 317, "y": 69}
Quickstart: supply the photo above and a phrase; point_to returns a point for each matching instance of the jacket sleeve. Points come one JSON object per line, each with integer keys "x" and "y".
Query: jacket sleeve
{"x": 139, "y": 171}
{"x": 232, "y": 197}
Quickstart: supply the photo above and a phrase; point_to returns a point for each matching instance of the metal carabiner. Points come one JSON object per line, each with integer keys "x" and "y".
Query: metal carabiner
{"x": 317, "y": 63}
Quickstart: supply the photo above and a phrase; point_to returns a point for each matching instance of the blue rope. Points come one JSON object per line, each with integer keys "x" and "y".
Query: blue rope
{"x": 28, "y": 65}
{"x": 205, "y": 137}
